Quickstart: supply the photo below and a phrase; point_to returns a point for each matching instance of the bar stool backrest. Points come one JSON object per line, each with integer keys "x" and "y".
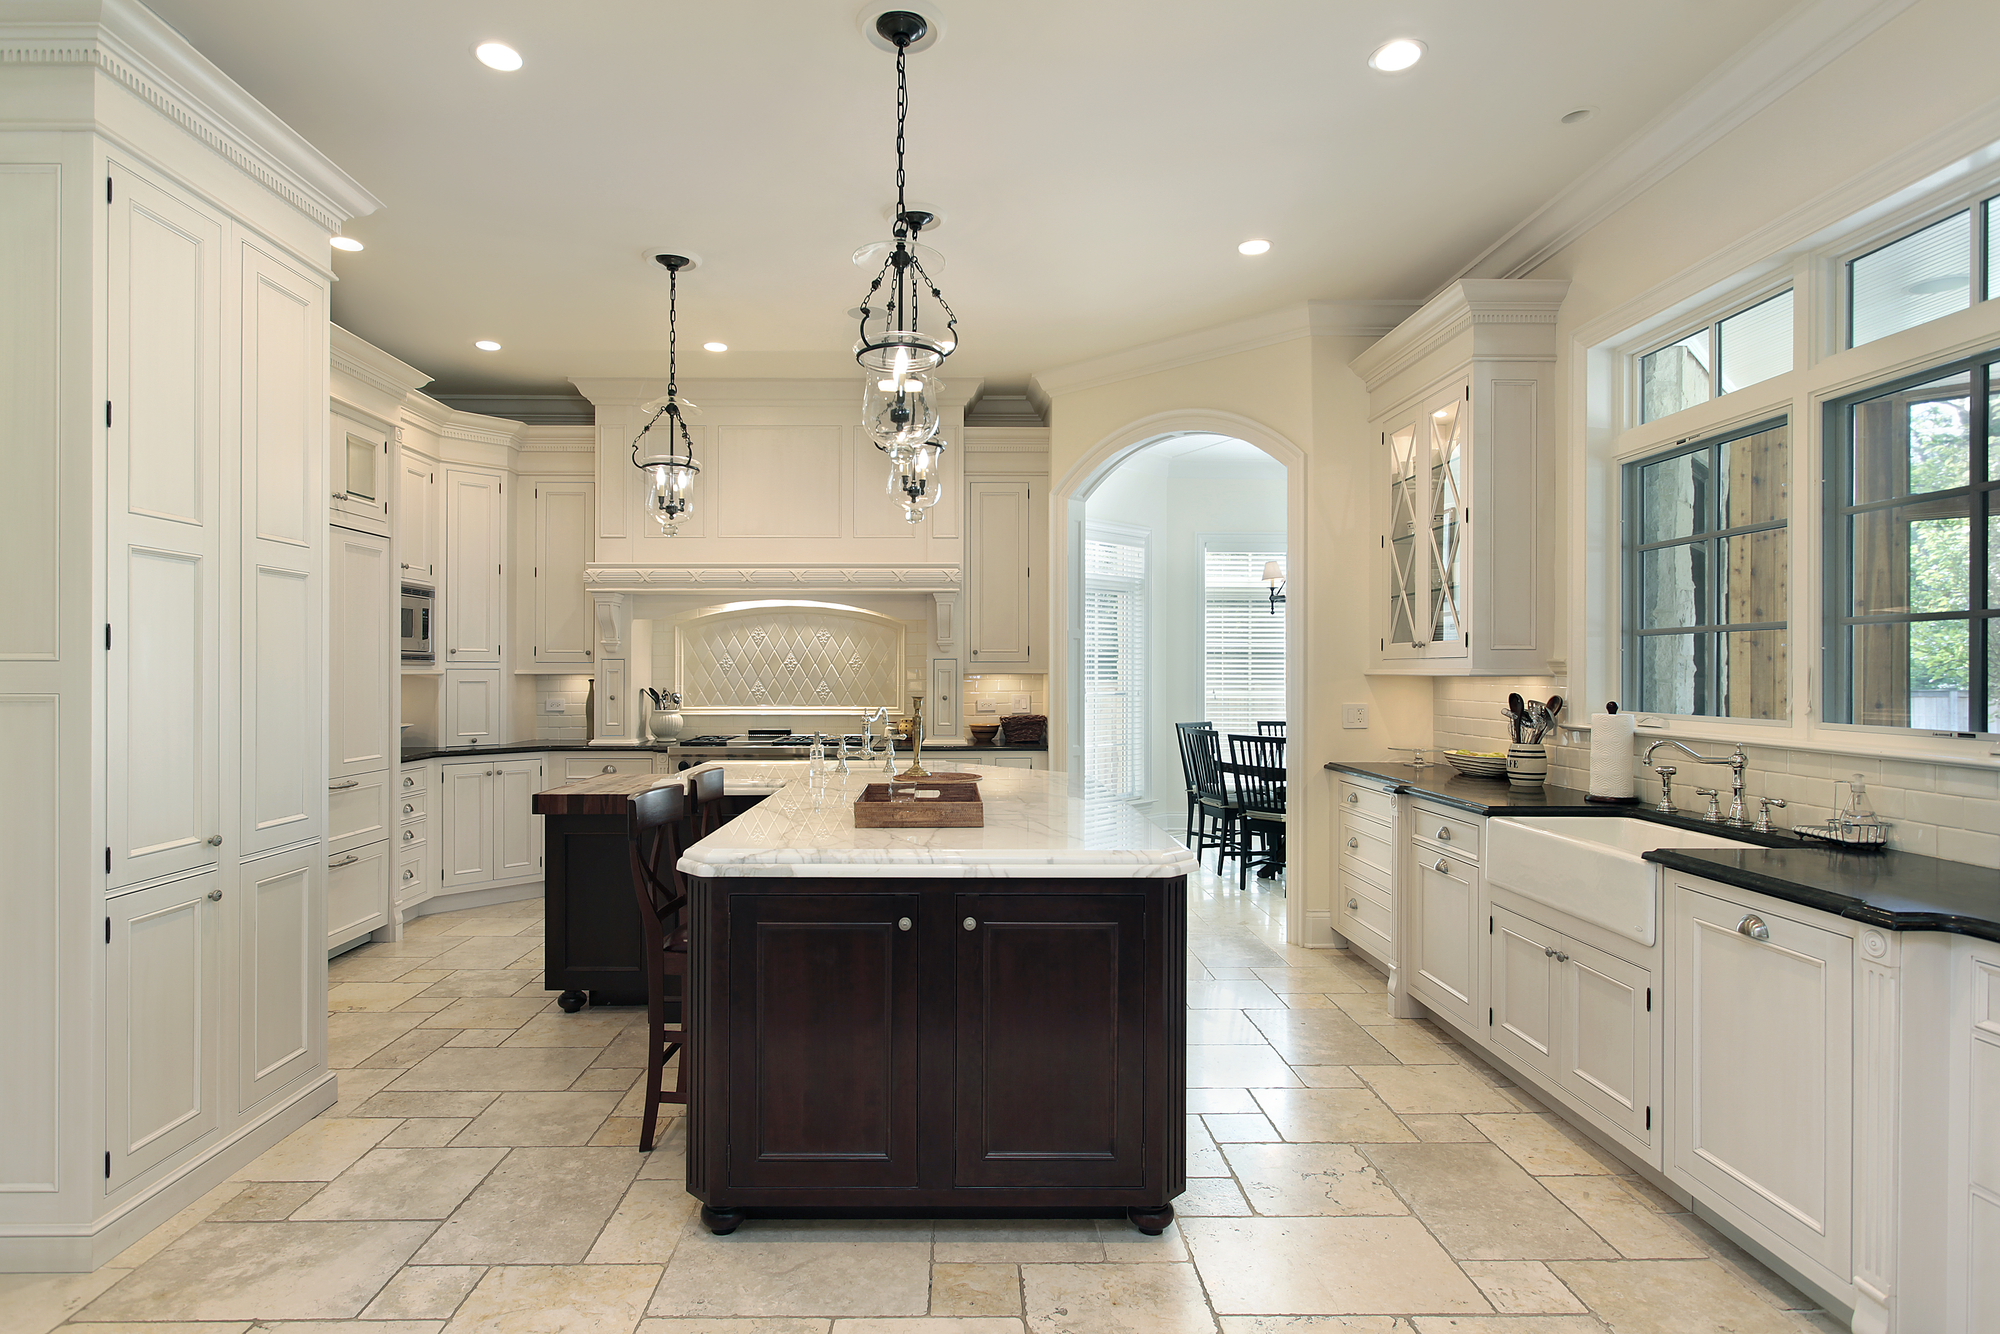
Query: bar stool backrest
{"x": 706, "y": 791}
{"x": 654, "y": 823}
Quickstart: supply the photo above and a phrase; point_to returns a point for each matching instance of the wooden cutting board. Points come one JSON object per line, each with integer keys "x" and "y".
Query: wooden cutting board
{"x": 921, "y": 803}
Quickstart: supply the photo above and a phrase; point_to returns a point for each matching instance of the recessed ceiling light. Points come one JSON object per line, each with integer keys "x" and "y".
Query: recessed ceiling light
{"x": 344, "y": 243}
{"x": 715, "y": 347}
{"x": 487, "y": 345}
{"x": 1253, "y": 247}
{"x": 1399, "y": 54}
{"x": 498, "y": 55}
{"x": 1580, "y": 114}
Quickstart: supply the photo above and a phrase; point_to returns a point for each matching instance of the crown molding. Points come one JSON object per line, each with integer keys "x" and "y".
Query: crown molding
{"x": 1807, "y": 40}
{"x": 448, "y": 423}
{"x": 1005, "y": 439}
{"x": 1461, "y": 308}
{"x": 720, "y": 392}
{"x": 132, "y": 46}
{"x": 353, "y": 355}
{"x": 764, "y": 578}
{"x": 1305, "y": 319}
{"x": 559, "y": 438}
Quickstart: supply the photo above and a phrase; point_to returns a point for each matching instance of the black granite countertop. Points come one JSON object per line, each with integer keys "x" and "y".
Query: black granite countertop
{"x": 411, "y": 754}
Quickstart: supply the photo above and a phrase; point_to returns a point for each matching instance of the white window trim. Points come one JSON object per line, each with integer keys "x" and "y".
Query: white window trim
{"x": 1105, "y": 530}
{"x": 1605, "y": 435}
{"x": 1271, "y": 546}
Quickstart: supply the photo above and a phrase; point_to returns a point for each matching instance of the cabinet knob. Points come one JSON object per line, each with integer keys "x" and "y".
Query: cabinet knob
{"x": 611, "y": 768}
{"x": 970, "y": 924}
{"x": 408, "y": 809}
{"x": 1353, "y": 842}
{"x": 409, "y": 781}
{"x": 215, "y": 840}
{"x": 409, "y": 874}
{"x": 1561, "y": 957}
{"x": 903, "y": 923}
{"x": 1443, "y": 866}
{"x": 1753, "y": 926}
{"x": 215, "y": 896}
{"x": 1353, "y": 905}
{"x": 1354, "y": 798}
{"x": 1444, "y": 833}
{"x": 409, "y": 834}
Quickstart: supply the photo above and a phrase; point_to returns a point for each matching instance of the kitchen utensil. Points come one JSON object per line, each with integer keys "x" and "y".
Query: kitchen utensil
{"x": 1519, "y": 709}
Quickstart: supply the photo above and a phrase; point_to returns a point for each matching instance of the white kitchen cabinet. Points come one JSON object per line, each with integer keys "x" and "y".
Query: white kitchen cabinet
{"x": 417, "y": 546}
{"x": 416, "y": 875}
{"x": 999, "y": 575}
{"x": 163, "y": 636}
{"x": 1441, "y": 949}
{"x": 357, "y": 893}
{"x": 361, "y": 459}
{"x": 1763, "y": 1064}
{"x": 358, "y": 810}
{"x": 579, "y": 768}
{"x": 1013, "y": 761}
{"x": 1522, "y": 993}
{"x": 563, "y": 631}
{"x": 488, "y": 831}
{"x": 1976, "y": 1273}
{"x": 473, "y": 712}
{"x": 163, "y": 997}
{"x": 1365, "y": 903}
{"x": 363, "y": 654}
{"x": 517, "y": 830}
{"x": 474, "y": 535}
{"x": 280, "y": 974}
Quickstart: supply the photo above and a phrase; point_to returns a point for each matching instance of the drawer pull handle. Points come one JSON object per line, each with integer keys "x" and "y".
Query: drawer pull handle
{"x": 336, "y": 787}
{"x": 1443, "y": 866}
{"x": 902, "y": 924}
{"x": 409, "y": 834}
{"x": 611, "y": 768}
{"x": 970, "y": 924}
{"x": 1444, "y": 833}
{"x": 1353, "y": 842}
{"x": 409, "y": 781}
{"x": 409, "y": 874}
{"x": 1354, "y": 798}
{"x": 348, "y": 860}
{"x": 409, "y": 809}
{"x": 1753, "y": 926}
{"x": 1353, "y": 905}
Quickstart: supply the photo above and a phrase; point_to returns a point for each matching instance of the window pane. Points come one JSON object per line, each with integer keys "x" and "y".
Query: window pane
{"x": 1754, "y": 585}
{"x": 1674, "y": 377}
{"x": 1755, "y": 344}
{"x": 1673, "y": 672}
{"x": 1911, "y": 558}
{"x": 1913, "y": 675}
{"x": 1673, "y": 499}
{"x": 1993, "y": 246}
{"x": 1673, "y": 587}
{"x": 1756, "y": 676}
{"x": 1912, "y": 441}
{"x": 1907, "y": 282}
{"x": 1756, "y": 474}
{"x": 1993, "y": 415}
{"x": 1993, "y": 568}
{"x": 1992, "y": 676}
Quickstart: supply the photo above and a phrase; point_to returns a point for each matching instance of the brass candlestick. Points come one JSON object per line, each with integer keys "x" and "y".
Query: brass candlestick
{"x": 916, "y": 730}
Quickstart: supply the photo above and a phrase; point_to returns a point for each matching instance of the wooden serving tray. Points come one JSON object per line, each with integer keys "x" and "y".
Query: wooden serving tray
{"x": 956, "y": 805}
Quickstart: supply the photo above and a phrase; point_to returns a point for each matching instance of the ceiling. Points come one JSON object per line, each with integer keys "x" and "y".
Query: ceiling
{"x": 1096, "y": 164}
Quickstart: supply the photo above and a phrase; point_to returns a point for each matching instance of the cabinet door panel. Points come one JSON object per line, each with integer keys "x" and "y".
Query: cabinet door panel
{"x": 472, "y": 706}
{"x": 162, "y": 992}
{"x": 416, "y": 520}
{"x": 1051, "y": 1040}
{"x": 517, "y": 830}
{"x": 1608, "y": 1036}
{"x": 281, "y": 955}
{"x": 822, "y": 1040}
{"x": 472, "y": 533}
{"x": 357, "y": 893}
{"x": 1524, "y": 992}
{"x": 1442, "y": 944}
{"x": 466, "y": 831}
{"x": 363, "y": 663}
{"x": 565, "y": 518}
{"x": 998, "y": 580}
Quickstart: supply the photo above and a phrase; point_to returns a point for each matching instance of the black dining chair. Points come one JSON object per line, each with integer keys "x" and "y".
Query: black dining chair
{"x": 1215, "y": 823}
{"x": 1270, "y": 727}
{"x": 1181, "y": 731}
{"x": 655, "y": 823}
{"x": 1257, "y": 768}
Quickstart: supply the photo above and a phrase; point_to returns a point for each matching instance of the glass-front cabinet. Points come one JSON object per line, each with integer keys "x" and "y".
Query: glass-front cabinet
{"x": 1426, "y": 534}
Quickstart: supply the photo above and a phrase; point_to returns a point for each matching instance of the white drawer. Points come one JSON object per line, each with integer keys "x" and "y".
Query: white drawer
{"x": 413, "y": 779}
{"x": 1361, "y": 799}
{"x": 412, "y": 804}
{"x": 357, "y": 811}
{"x": 1455, "y": 831}
{"x": 1369, "y": 919}
{"x": 409, "y": 882}
{"x": 1374, "y": 877}
{"x": 576, "y": 768}
{"x": 357, "y": 893}
{"x": 1365, "y": 842}
{"x": 413, "y": 834}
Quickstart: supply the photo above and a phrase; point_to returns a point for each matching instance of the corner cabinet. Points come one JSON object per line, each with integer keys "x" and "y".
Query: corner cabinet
{"x": 489, "y": 833}
{"x": 1462, "y": 399}
{"x": 999, "y": 576}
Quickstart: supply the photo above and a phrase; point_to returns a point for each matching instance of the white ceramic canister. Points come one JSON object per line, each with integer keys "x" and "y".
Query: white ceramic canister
{"x": 1527, "y": 764}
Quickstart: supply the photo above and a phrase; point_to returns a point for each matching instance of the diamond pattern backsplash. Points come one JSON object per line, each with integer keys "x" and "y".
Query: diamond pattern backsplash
{"x": 767, "y": 658}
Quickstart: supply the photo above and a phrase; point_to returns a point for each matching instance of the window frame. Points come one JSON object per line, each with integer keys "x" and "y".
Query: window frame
{"x": 1979, "y": 202}
{"x": 1131, "y": 535}
{"x": 1263, "y": 546}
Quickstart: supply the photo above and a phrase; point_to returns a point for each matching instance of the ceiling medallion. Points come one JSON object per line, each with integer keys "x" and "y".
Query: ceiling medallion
{"x": 899, "y": 400}
{"x": 669, "y": 464}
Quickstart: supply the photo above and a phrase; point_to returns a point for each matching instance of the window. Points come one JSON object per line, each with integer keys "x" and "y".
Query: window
{"x": 1705, "y": 577}
{"x": 1114, "y": 662}
{"x": 1738, "y": 350}
{"x": 1913, "y": 552}
{"x": 1242, "y": 636}
{"x": 1924, "y": 275}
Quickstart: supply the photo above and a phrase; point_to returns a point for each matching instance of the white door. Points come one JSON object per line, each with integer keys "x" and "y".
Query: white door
{"x": 163, "y": 1029}
{"x": 364, "y": 476}
{"x": 1763, "y": 1069}
{"x": 1610, "y": 1033}
{"x": 565, "y": 519}
{"x": 364, "y": 654}
{"x": 1442, "y": 943}
{"x": 472, "y": 709}
{"x": 357, "y": 893}
{"x": 465, "y": 834}
{"x": 997, "y": 583}
{"x": 281, "y": 966}
{"x": 1524, "y": 992}
{"x": 472, "y": 534}
{"x": 163, "y": 679}
{"x": 517, "y": 830}
{"x": 416, "y": 520}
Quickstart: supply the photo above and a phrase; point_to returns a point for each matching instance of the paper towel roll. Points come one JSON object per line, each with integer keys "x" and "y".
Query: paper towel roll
{"x": 1611, "y": 756}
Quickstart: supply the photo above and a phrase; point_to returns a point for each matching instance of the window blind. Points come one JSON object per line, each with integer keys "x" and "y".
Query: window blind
{"x": 1114, "y": 666}
{"x": 1243, "y": 641}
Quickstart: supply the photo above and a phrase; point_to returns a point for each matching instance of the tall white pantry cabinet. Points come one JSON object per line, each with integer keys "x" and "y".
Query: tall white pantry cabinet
{"x": 163, "y": 390}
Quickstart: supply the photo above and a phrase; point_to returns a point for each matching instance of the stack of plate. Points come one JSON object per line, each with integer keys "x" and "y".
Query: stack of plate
{"x": 1473, "y": 764}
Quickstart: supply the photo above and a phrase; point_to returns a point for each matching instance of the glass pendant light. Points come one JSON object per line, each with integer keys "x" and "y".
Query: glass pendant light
{"x": 900, "y": 388}
{"x": 669, "y": 462}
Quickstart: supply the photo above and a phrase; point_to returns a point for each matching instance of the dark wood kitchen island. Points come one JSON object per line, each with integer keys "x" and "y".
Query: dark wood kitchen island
{"x": 937, "y": 1022}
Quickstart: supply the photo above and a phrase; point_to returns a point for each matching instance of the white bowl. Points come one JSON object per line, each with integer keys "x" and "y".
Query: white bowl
{"x": 1477, "y": 766}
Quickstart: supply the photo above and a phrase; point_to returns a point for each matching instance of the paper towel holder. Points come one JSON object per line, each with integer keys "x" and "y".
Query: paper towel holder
{"x": 1591, "y": 797}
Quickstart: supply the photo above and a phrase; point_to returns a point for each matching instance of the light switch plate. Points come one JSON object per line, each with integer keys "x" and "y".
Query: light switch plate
{"x": 1018, "y": 703}
{"x": 1354, "y": 715}
{"x": 555, "y": 704}
{"x": 986, "y": 706}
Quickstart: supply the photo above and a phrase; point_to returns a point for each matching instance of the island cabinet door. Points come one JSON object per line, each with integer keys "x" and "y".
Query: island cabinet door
{"x": 1051, "y": 1040}
{"x": 822, "y": 1015}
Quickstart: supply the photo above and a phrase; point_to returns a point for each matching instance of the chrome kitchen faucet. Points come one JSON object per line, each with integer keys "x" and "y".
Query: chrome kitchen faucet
{"x": 1735, "y": 761}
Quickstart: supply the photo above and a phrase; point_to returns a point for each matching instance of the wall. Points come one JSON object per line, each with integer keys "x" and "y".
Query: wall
{"x": 1000, "y": 689}
{"x": 569, "y": 725}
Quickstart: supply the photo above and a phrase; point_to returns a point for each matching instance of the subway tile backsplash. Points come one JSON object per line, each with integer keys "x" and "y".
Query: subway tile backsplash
{"x": 1000, "y": 688}
{"x": 1940, "y": 810}
{"x": 570, "y": 724}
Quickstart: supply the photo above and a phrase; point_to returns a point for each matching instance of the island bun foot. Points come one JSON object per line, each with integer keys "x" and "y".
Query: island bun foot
{"x": 1152, "y": 1222}
{"x": 570, "y": 1001}
{"x": 722, "y": 1222}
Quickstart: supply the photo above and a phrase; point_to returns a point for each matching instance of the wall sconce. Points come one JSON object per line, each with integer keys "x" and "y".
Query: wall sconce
{"x": 1274, "y": 575}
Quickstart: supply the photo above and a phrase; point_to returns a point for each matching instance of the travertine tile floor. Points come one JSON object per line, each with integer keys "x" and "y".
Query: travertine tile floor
{"x": 1348, "y": 1172}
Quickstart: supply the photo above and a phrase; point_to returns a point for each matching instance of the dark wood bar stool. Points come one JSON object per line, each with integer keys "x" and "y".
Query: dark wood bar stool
{"x": 654, "y": 828}
{"x": 711, "y": 811}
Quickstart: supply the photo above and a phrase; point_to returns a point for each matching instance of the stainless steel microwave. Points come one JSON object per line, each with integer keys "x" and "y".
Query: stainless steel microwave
{"x": 419, "y": 616}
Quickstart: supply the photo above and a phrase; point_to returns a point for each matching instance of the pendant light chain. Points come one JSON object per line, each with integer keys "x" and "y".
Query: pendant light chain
{"x": 902, "y": 115}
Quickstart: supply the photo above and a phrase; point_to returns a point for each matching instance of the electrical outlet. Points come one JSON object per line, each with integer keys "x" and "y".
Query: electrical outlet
{"x": 986, "y": 706}
{"x": 1354, "y": 715}
{"x": 554, "y": 704}
{"x": 1018, "y": 703}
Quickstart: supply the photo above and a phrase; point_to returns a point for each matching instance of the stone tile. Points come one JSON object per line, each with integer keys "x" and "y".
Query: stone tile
{"x": 410, "y": 1048}
{"x": 478, "y": 982}
{"x": 1508, "y": 1324}
{"x": 1286, "y": 981}
{"x": 171, "y": 1231}
{"x": 1336, "y": 1115}
{"x": 1125, "y": 1244}
{"x": 353, "y": 1037}
{"x": 975, "y": 1290}
{"x": 648, "y": 1223}
{"x": 1315, "y": 1324}
{"x": 1237, "y": 1067}
{"x": 424, "y": 1004}
{"x": 373, "y": 969}
{"x": 626, "y": 1051}
{"x": 466, "y": 1105}
{"x": 1307, "y": 1000}
{"x": 341, "y": 996}
{"x": 37, "y": 1303}
{"x": 424, "y": 1292}
{"x": 500, "y": 1069}
{"x": 1367, "y": 1007}
{"x": 1220, "y": 1100}
{"x": 587, "y": 1299}
{"x": 1223, "y": 1028}
{"x": 403, "y": 1183}
{"x": 348, "y": 1327}
{"x": 485, "y": 952}
{"x": 1328, "y": 1077}
{"x": 508, "y": 1012}
{"x": 264, "y": 1271}
{"x": 1443, "y": 1128}
{"x": 1250, "y": 994}
{"x": 532, "y": 961}
{"x": 827, "y": 1268}
{"x": 319, "y": 1150}
{"x": 1745, "y": 1266}
{"x": 267, "y": 1201}
{"x": 1211, "y": 1197}
{"x": 1329, "y": 1266}
{"x": 753, "y": 1325}
{"x": 479, "y": 1037}
{"x": 1539, "y": 1145}
{"x": 606, "y": 1079}
{"x": 930, "y": 1325}
{"x": 1436, "y": 1088}
{"x": 1115, "y": 1299}
{"x": 425, "y": 1132}
{"x": 539, "y": 1206}
{"x": 1311, "y": 1180}
{"x": 1319, "y": 1037}
{"x": 484, "y": 924}
{"x": 1620, "y": 1217}
{"x": 1482, "y": 1206}
{"x": 427, "y": 976}
{"x": 589, "y": 1028}
{"x": 164, "y": 1327}
{"x": 1011, "y": 1241}
{"x": 356, "y": 1087}
{"x": 1409, "y": 1043}
{"x": 1673, "y": 1297}
{"x": 1231, "y": 974}
{"x": 539, "y": 1119}
{"x": 618, "y": 1132}
{"x": 1521, "y": 1287}
{"x": 1239, "y": 1128}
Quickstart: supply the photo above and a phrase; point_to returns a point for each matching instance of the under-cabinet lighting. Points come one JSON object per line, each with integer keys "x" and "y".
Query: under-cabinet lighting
{"x": 1396, "y": 55}
{"x": 498, "y": 55}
